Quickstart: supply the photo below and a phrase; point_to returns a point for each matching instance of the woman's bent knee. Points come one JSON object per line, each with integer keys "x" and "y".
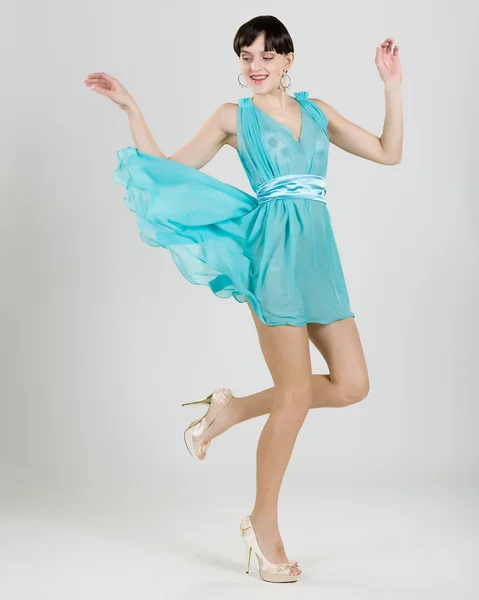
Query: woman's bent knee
{"x": 354, "y": 392}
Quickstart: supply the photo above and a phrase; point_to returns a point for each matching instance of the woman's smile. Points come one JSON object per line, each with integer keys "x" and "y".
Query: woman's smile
{"x": 258, "y": 79}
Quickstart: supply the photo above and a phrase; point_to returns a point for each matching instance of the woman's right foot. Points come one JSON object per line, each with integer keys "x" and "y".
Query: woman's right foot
{"x": 270, "y": 542}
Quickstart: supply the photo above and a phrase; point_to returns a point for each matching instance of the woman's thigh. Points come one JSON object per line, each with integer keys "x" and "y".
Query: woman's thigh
{"x": 340, "y": 345}
{"x": 286, "y": 352}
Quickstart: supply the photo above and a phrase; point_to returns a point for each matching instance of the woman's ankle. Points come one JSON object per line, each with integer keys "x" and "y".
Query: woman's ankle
{"x": 267, "y": 518}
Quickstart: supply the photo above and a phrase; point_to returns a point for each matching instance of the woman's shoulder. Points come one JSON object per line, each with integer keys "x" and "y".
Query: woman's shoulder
{"x": 323, "y": 106}
{"x": 227, "y": 115}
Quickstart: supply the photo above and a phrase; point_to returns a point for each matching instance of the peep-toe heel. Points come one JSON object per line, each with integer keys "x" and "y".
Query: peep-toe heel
{"x": 271, "y": 572}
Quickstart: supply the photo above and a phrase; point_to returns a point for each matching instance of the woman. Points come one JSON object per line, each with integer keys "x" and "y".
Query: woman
{"x": 275, "y": 251}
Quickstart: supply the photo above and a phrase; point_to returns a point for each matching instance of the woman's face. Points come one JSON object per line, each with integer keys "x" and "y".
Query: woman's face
{"x": 263, "y": 70}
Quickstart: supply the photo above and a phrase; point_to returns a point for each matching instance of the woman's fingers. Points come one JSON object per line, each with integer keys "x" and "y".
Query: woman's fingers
{"x": 101, "y": 78}
{"x": 99, "y": 82}
{"x": 98, "y": 78}
{"x": 100, "y": 90}
{"x": 387, "y": 45}
{"x": 100, "y": 74}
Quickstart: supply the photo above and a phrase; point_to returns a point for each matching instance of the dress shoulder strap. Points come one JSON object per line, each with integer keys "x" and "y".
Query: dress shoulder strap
{"x": 301, "y": 96}
{"x": 244, "y": 101}
{"x": 316, "y": 113}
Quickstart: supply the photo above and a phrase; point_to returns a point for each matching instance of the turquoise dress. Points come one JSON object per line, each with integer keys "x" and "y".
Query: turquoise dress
{"x": 275, "y": 249}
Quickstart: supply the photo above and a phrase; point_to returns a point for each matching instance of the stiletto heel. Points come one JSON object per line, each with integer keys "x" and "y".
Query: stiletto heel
{"x": 248, "y": 556}
{"x": 194, "y": 433}
{"x": 205, "y": 401}
{"x": 271, "y": 572}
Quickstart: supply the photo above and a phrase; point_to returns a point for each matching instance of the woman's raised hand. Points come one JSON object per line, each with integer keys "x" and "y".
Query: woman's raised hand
{"x": 111, "y": 88}
{"x": 387, "y": 61}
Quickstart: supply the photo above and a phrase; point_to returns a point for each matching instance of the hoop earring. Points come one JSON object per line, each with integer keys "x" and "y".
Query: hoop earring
{"x": 241, "y": 84}
{"x": 289, "y": 84}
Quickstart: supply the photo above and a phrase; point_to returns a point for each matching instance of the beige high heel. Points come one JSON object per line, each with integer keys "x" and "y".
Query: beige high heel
{"x": 194, "y": 433}
{"x": 271, "y": 572}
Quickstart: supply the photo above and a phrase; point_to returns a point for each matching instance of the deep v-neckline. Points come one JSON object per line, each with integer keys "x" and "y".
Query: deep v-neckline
{"x": 288, "y": 129}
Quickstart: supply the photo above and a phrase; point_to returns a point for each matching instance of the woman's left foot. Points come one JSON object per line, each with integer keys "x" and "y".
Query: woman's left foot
{"x": 198, "y": 434}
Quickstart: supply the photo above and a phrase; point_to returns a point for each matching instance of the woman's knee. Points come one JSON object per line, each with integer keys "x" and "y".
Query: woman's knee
{"x": 354, "y": 391}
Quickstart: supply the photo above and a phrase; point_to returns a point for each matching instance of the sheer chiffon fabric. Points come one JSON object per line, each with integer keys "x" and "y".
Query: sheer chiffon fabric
{"x": 276, "y": 248}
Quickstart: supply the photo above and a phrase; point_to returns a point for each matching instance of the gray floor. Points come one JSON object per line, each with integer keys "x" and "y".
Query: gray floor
{"x": 391, "y": 541}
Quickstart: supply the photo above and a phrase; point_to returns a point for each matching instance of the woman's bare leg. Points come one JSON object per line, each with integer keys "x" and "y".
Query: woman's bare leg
{"x": 346, "y": 383}
{"x": 286, "y": 352}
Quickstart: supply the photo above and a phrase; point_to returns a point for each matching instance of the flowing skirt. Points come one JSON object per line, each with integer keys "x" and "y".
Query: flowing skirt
{"x": 280, "y": 256}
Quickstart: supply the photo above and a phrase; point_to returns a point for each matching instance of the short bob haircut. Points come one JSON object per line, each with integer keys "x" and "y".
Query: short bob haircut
{"x": 276, "y": 36}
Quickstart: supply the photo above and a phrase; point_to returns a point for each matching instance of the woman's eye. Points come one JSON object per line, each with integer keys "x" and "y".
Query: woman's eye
{"x": 265, "y": 57}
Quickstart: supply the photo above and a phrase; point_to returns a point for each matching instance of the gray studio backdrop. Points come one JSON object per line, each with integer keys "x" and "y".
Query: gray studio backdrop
{"x": 103, "y": 339}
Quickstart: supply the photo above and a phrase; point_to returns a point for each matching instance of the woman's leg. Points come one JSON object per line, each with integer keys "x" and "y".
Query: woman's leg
{"x": 286, "y": 352}
{"x": 346, "y": 383}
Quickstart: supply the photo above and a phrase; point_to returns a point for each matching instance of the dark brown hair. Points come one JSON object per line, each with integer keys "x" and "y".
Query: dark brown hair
{"x": 276, "y": 36}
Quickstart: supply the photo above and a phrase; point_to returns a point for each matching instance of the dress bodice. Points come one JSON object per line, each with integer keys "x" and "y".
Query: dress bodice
{"x": 267, "y": 148}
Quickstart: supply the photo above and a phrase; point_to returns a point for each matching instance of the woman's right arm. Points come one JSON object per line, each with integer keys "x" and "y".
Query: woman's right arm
{"x": 217, "y": 130}
{"x": 142, "y": 138}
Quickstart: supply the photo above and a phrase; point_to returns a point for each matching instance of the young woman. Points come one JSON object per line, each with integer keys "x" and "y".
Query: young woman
{"x": 275, "y": 251}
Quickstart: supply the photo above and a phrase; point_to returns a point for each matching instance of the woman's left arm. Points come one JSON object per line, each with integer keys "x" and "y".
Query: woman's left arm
{"x": 387, "y": 149}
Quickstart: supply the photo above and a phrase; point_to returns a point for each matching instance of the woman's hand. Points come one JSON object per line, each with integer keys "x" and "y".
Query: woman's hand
{"x": 387, "y": 62}
{"x": 111, "y": 88}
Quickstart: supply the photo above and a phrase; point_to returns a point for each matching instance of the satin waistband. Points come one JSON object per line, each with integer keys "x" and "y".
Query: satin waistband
{"x": 303, "y": 185}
